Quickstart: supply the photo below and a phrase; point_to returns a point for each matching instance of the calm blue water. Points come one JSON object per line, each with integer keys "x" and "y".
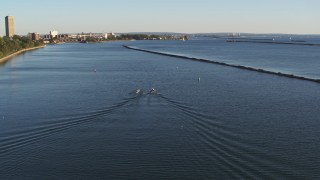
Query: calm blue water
{"x": 289, "y": 59}
{"x": 70, "y": 112}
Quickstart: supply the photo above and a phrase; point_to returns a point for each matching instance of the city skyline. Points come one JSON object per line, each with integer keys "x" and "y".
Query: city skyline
{"x": 203, "y": 16}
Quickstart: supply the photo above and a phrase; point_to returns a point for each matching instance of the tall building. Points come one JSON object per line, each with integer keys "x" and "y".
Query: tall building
{"x": 9, "y": 26}
{"x": 35, "y": 36}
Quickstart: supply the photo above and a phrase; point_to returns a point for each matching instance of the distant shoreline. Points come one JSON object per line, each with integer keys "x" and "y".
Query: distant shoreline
{"x": 267, "y": 42}
{"x": 5, "y": 59}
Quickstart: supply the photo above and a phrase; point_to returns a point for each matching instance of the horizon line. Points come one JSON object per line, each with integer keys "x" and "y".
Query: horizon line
{"x": 148, "y": 32}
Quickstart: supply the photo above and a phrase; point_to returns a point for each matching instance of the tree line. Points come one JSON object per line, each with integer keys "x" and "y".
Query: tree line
{"x": 139, "y": 37}
{"x": 136, "y": 37}
{"x": 16, "y": 43}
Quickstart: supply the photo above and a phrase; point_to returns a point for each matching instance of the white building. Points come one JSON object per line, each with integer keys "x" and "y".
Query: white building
{"x": 53, "y": 34}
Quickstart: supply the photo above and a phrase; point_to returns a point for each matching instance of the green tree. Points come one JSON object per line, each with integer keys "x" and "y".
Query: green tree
{"x": 16, "y": 43}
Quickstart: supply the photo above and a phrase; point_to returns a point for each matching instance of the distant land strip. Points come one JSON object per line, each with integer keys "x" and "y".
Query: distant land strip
{"x": 268, "y": 42}
{"x": 226, "y": 64}
{"x": 4, "y": 59}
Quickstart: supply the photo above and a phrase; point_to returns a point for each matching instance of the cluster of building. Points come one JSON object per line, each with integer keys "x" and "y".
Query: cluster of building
{"x": 54, "y": 36}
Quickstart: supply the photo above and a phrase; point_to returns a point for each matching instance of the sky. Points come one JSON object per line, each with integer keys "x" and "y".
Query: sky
{"x": 184, "y": 16}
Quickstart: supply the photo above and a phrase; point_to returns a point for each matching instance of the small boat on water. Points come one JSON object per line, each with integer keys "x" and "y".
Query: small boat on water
{"x": 153, "y": 91}
{"x": 84, "y": 41}
{"x": 138, "y": 92}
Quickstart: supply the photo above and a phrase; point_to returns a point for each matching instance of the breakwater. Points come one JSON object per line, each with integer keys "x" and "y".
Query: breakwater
{"x": 226, "y": 64}
{"x": 4, "y": 59}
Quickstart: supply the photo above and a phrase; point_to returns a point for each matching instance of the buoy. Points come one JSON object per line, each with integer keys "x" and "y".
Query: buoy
{"x": 199, "y": 79}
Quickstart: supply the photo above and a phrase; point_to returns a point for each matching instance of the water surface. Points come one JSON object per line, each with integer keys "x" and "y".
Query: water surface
{"x": 70, "y": 112}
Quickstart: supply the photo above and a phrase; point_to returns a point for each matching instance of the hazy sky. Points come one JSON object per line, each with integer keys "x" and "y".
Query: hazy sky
{"x": 254, "y": 16}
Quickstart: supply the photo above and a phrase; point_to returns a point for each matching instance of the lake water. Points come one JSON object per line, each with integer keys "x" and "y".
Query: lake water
{"x": 70, "y": 112}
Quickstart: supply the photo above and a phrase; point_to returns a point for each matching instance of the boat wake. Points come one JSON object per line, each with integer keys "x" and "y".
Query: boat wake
{"x": 18, "y": 139}
{"x": 229, "y": 148}
{"x": 206, "y": 134}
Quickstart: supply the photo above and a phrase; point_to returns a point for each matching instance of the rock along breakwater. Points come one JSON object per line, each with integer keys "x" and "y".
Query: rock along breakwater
{"x": 225, "y": 64}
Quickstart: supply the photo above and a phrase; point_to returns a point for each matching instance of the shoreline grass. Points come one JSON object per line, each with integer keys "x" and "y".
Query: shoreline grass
{"x": 8, "y": 57}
